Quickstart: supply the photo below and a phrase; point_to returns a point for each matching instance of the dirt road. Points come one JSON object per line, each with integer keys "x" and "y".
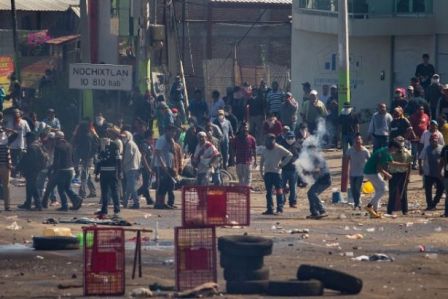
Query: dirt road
{"x": 25, "y": 273}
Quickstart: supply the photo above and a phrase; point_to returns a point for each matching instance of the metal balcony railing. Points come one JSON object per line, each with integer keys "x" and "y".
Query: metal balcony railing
{"x": 368, "y": 8}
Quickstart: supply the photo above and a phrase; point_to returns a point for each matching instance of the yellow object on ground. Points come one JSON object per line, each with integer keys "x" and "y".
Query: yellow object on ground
{"x": 58, "y": 232}
{"x": 367, "y": 188}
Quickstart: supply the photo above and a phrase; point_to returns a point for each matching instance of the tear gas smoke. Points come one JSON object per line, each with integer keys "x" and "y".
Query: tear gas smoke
{"x": 310, "y": 157}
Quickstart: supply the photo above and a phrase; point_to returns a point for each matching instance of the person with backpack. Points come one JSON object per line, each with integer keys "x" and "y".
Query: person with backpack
{"x": 32, "y": 163}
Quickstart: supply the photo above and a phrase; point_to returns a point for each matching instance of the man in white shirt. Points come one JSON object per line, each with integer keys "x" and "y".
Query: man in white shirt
{"x": 20, "y": 126}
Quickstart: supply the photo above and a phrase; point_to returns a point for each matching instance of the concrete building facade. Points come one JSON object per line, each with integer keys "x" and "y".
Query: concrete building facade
{"x": 387, "y": 40}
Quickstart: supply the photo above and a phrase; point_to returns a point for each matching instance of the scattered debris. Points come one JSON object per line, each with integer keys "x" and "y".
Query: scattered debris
{"x": 438, "y": 229}
{"x": 39, "y": 257}
{"x": 342, "y": 216}
{"x": 168, "y": 262}
{"x": 14, "y": 217}
{"x": 370, "y": 230}
{"x": 14, "y": 226}
{"x": 86, "y": 220}
{"x": 204, "y": 290}
{"x": 377, "y": 257}
{"x": 431, "y": 256}
{"x": 336, "y": 244}
{"x": 141, "y": 293}
{"x": 50, "y": 221}
{"x": 355, "y": 237}
{"x": 160, "y": 287}
{"x": 63, "y": 286}
{"x": 299, "y": 231}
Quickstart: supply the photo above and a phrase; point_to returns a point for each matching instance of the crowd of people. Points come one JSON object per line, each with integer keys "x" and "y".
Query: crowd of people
{"x": 168, "y": 139}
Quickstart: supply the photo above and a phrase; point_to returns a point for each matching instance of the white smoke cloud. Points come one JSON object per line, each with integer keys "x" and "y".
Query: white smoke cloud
{"x": 306, "y": 163}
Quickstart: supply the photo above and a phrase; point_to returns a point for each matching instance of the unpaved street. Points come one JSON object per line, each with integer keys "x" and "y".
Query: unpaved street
{"x": 25, "y": 273}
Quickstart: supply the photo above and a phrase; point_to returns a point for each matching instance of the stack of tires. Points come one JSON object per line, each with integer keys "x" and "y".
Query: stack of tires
{"x": 242, "y": 258}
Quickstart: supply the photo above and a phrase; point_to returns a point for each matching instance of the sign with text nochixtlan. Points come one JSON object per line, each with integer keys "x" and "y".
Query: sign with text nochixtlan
{"x": 100, "y": 76}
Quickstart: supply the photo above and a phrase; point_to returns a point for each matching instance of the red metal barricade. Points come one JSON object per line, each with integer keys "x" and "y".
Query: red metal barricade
{"x": 215, "y": 206}
{"x": 104, "y": 261}
{"x": 195, "y": 253}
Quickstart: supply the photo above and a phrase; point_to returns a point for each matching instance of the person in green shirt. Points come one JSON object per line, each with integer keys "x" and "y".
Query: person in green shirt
{"x": 376, "y": 172}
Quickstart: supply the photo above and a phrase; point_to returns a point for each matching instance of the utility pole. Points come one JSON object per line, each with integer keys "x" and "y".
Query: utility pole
{"x": 184, "y": 9}
{"x": 14, "y": 39}
{"x": 343, "y": 54}
{"x": 343, "y": 74}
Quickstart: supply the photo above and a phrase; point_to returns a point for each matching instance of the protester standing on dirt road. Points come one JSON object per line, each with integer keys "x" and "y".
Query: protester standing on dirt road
{"x": 290, "y": 175}
{"x": 375, "y": 170}
{"x": 108, "y": 168}
{"x": 322, "y": 181}
{"x": 6, "y": 138}
{"x": 246, "y": 155}
{"x": 358, "y": 156}
{"x": 272, "y": 160}
{"x": 429, "y": 163}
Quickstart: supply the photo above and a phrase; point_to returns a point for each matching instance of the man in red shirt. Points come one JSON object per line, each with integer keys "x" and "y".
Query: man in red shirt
{"x": 272, "y": 125}
{"x": 245, "y": 152}
{"x": 419, "y": 122}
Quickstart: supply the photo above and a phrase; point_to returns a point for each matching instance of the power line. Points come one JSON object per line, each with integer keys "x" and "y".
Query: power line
{"x": 239, "y": 41}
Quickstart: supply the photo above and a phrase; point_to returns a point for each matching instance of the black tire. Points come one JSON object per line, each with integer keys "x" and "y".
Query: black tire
{"x": 245, "y": 245}
{"x": 247, "y": 287}
{"x": 250, "y": 263}
{"x": 295, "y": 288}
{"x": 331, "y": 279}
{"x": 231, "y": 274}
{"x": 55, "y": 243}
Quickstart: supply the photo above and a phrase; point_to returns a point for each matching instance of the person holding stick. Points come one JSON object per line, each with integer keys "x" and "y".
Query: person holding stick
{"x": 398, "y": 199}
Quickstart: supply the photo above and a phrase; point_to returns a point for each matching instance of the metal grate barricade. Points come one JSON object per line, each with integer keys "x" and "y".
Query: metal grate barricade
{"x": 215, "y": 206}
{"x": 195, "y": 253}
{"x": 104, "y": 261}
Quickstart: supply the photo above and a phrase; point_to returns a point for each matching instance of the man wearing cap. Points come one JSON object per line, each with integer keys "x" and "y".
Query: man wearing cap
{"x": 33, "y": 161}
{"x": 442, "y": 106}
{"x": 64, "y": 172}
{"x": 52, "y": 121}
{"x": 204, "y": 159}
{"x": 433, "y": 129}
{"x": 399, "y": 100}
{"x": 272, "y": 160}
{"x": 398, "y": 198}
{"x": 290, "y": 174}
{"x": 313, "y": 110}
{"x": 288, "y": 112}
{"x": 433, "y": 94}
{"x": 429, "y": 163}
{"x": 274, "y": 99}
{"x": 227, "y": 135}
{"x": 20, "y": 126}
{"x": 349, "y": 123}
{"x": 379, "y": 127}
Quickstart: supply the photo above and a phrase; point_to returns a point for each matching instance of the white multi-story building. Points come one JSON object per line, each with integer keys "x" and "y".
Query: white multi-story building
{"x": 387, "y": 40}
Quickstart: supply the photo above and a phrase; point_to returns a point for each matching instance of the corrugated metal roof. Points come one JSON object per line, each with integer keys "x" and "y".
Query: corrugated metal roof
{"x": 282, "y": 2}
{"x": 39, "y": 5}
